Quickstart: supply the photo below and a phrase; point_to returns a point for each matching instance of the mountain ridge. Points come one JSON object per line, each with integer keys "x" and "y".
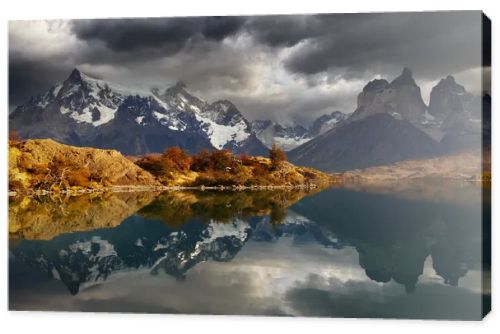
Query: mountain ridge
{"x": 82, "y": 110}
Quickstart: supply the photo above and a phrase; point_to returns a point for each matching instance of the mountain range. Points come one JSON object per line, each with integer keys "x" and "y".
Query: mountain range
{"x": 391, "y": 122}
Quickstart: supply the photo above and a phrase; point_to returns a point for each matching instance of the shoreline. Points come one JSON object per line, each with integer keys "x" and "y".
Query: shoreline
{"x": 349, "y": 180}
{"x": 128, "y": 189}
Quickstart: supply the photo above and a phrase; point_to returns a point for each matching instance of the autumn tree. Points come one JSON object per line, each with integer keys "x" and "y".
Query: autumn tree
{"x": 277, "y": 157}
{"x": 175, "y": 158}
{"x": 222, "y": 160}
{"x": 202, "y": 161}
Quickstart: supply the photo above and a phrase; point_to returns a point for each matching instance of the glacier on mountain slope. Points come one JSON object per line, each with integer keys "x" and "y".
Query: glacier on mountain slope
{"x": 219, "y": 134}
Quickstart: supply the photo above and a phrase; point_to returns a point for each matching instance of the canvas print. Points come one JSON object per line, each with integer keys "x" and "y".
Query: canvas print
{"x": 328, "y": 165}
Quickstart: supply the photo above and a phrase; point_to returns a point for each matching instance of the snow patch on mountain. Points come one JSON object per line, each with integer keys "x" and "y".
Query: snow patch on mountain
{"x": 172, "y": 123}
{"x": 219, "y": 134}
{"x": 139, "y": 120}
{"x": 288, "y": 143}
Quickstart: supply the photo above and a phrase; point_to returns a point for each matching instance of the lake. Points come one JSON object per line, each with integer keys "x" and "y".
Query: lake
{"x": 397, "y": 250}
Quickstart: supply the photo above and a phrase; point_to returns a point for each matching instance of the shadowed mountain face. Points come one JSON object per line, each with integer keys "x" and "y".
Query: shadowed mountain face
{"x": 394, "y": 233}
{"x": 378, "y": 139}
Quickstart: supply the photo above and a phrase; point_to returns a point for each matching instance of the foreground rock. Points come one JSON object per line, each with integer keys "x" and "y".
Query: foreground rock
{"x": 44, "y": 164}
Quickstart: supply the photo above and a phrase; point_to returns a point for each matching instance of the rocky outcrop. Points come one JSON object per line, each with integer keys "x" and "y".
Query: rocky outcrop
{"x": 45, "y": 164}
{"x": 449, "y": 97}
{"x": 400, "y": 98}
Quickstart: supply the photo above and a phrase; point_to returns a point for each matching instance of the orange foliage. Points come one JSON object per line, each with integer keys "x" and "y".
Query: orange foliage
{"x": 260, "y": 170}
{"x": 202, "y": 161}
{"x": 175, "y": 158}
{"x": 277, "y": 156}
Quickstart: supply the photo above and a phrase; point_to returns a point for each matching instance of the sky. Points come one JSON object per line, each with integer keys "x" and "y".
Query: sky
{"x": 291, "y": 69}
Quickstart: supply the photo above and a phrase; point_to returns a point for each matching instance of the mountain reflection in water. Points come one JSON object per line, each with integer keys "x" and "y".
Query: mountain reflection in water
{"x": 353, "y": 252}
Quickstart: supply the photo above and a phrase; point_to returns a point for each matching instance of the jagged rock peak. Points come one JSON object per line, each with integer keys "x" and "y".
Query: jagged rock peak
{"x": 449, "y": 83}
{"x": 223, "y": 103}
{"x": 448, "y": 96}
{"x": 178, "y": 88}
{"x": 180, "y": 85}
{"x": 376, "y": 85}
{"x": 78, "y": 75}
{"x": 404, "y": 79}
{"x": 75, "y": 74}
{"x": 450, "y": 79}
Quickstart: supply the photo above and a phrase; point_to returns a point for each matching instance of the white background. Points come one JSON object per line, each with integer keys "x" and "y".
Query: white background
{"x": 51, "y": 322}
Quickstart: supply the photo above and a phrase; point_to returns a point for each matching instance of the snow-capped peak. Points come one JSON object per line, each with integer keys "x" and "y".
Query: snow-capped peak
{"x": 221, "y": 121}
{"x": 89, "y": 100}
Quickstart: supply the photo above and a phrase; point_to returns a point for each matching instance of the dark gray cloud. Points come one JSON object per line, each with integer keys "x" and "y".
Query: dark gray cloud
{"x": 292, "y": 67}
{"x": 28, "y": 78}
{"x": 431, "y": 43}
{"x": 287, "y": 31}
{"x": 129, "y": 34}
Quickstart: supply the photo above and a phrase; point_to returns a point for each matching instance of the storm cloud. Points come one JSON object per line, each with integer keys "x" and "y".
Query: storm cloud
{"x": 128, "y": 34}
{"x": 424, "y": 42}
{"x": 290, "y": 68}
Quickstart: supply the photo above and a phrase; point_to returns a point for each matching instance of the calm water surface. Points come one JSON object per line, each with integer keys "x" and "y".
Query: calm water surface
{"x": 411, "y": 250}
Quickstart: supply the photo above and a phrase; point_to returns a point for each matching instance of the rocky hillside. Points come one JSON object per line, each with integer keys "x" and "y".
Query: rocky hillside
{"x": 47, "y": 165}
